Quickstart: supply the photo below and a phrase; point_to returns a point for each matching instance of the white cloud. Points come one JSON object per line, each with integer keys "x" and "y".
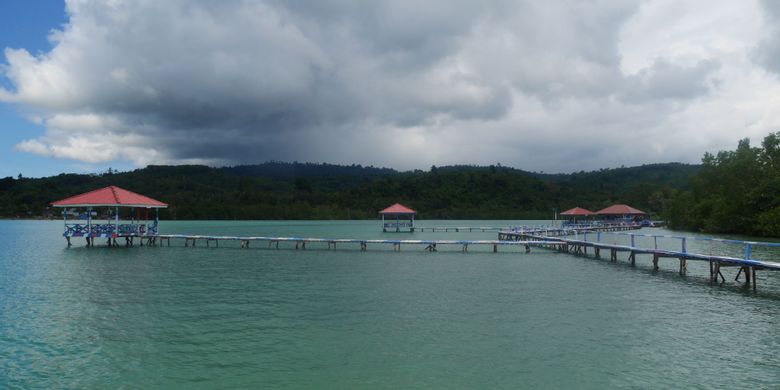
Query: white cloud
{"x": 556, "y": 86}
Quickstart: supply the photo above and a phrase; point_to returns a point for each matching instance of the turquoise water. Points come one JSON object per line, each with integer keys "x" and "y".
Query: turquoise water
{"x": 176, "y": 317}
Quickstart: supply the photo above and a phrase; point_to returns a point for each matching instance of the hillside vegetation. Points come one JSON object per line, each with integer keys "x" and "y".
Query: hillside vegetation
{"x": 734, "y": 192}
{"x": 276, "y": 190}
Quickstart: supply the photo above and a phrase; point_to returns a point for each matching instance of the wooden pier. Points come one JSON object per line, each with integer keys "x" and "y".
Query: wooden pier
{"x": 447, "y": 229}
{"x": 551, "y": 230}
{"x": 332, "y": 243}
{"x": 747, "y": 265}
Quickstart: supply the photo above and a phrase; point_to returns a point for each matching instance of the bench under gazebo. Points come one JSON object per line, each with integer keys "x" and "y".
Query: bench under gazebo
{"x": 112, "y": 200}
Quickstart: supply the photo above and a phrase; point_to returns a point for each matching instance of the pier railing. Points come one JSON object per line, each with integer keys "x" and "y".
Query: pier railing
{"x": 110, "y": 229}
{"x": 733, "y": 247}
{"x": 604, "y": 240}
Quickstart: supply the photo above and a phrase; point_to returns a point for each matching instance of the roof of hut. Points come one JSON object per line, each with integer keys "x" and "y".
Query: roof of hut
{"x": 620, "y": 209}
{"x": 578, "y": 211}
{"x": 397, "y": 209}
{"x": 109, "y": 196}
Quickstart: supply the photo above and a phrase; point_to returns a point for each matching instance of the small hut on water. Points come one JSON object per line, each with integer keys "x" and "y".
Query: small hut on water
{"x": 111, "y": 200}
{"x": 622, "y": 212}
{"x": 577, "y": 212}
{"x": 397, "y": 217}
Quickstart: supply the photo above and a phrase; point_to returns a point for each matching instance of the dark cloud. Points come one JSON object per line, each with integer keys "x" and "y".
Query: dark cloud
{"x": 391, "y": 82}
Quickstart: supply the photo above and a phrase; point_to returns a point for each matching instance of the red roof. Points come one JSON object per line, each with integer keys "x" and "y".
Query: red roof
{"x": 109, "y": 196}
{"x": 620, "y": 209}
{"x": 578, "y": 211}
{"x": 397, "y": 209}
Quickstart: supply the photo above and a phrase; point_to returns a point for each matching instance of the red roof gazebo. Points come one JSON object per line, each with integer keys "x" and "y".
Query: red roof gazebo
{"x": 113, "y": 198}
{"x": 621, "y": 210}
{"x": 577, "y": 212}
{"x": 404, "y": 218}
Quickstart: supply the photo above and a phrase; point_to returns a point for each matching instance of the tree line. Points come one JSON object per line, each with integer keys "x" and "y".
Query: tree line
{"x": 278, "y": 190}
{"x": 735, "y": 191}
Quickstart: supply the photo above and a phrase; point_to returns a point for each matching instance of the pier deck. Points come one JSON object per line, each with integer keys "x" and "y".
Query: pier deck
{"x": 580, "y": 247}
{"x": 555, "y": 238}
{"x": 300, "y": 242}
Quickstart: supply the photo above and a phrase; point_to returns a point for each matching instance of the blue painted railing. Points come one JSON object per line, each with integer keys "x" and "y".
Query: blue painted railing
{"x": 109, "y": 230}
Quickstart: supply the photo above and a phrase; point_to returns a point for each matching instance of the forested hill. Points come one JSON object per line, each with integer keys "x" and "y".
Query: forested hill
{"x": 735, "y": 191}
{"x": 277, "y": 190}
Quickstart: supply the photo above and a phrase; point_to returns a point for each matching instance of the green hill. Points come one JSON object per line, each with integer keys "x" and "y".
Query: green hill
{"x": 277, "y": 190}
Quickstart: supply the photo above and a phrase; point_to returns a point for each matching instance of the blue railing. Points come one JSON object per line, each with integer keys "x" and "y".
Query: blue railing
{"x": 109, "y": 230}
{"x": 398, "y": 224}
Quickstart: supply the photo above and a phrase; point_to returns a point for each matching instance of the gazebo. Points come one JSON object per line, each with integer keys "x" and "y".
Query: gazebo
{"x": 110, "y": 199}
{"x": 621, "y": 211}
{"x": 577, "y": 212}
{"x": 398, "y": 217}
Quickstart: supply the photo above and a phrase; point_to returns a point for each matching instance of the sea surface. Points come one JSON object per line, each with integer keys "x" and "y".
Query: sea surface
{"x": 184, "y": 317}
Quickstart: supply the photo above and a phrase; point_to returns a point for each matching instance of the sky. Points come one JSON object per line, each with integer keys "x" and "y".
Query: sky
{"x": 556, "y": 86}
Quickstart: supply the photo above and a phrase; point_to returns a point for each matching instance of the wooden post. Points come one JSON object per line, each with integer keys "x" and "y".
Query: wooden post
{"x": 754, "y": 277}
{"x": 89, "y": 225}
{"x": 655, "y": 261}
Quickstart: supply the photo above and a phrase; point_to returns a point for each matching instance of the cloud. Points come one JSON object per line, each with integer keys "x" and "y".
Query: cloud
{"x": 544, "y": 86}
{"x": 665, "y": 80}
{"x": 768, "y": 51}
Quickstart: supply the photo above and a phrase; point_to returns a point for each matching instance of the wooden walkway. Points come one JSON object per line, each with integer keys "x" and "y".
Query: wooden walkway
{"x": 747, "y": 265}
{"x": 555, "y": 238}
{"x": 550, "y": 230}
{"x": 300, "y": 242}
{"x": 447, "y": 229}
